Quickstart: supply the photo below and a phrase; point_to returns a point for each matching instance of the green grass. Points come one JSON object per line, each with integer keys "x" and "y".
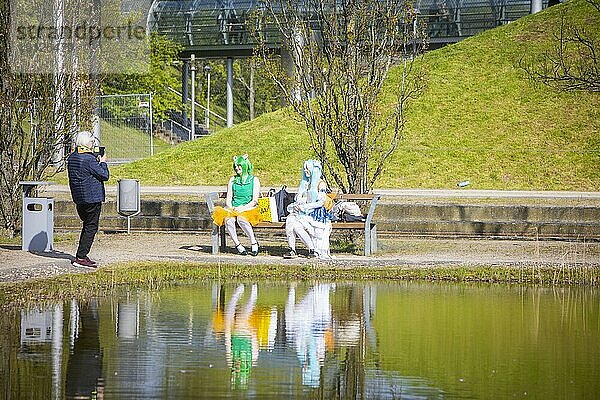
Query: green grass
{"x": 154, "y": 275}
{"x": 274, "y": 142}
{"x": 58, "y": 238}
{"x": 479, "y": 119}
{"x": 123, "y": 142}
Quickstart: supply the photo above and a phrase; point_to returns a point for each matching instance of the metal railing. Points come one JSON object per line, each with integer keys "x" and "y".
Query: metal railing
{"x": 214, "y": 118}
{"x": 197, "y": 27}
{"x": 176, "y": 129}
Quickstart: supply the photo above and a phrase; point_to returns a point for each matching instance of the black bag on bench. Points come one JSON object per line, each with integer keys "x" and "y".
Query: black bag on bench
{"x": 283, "y": 199}
{"x": 346, "y": 217}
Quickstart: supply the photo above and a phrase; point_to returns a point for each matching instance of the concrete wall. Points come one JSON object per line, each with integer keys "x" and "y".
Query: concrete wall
{"x": 446, "y": 220}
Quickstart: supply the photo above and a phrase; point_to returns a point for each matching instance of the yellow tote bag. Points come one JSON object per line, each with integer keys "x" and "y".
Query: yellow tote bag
{"x": 268, "y": 209}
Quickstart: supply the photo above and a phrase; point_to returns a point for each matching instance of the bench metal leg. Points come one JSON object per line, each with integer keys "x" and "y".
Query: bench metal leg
{"x": 367, "y": 240}
{"x": 223, "y": 244}
{"x": 215, "y": 239}
{"x": 218, "y": 239}
{"x": 370, "y": 239}
{"x": 374, "y": 239}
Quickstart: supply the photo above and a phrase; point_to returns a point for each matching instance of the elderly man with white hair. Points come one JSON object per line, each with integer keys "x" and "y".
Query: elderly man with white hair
{"x": 87, "y": 174}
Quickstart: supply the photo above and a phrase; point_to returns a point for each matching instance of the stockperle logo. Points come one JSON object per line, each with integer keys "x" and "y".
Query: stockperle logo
{"x": 79, "y": 36}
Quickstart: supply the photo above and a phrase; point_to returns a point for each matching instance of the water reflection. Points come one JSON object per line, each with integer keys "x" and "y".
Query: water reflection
{"x": 42, "y": 336}
{"x": 309, "y": 330}
{"x": 84, "y": 368}
{"x": 322, "y": 340}
{"x": 241, "y": 342}
{"x": 128, "y": 319}
{"x": 40, "y": 327}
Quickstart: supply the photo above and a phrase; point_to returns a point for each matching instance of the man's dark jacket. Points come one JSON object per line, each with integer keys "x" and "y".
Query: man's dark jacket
{"x": 86, "y": 177}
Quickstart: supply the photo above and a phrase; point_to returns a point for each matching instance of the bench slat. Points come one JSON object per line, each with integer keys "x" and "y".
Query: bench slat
{"x": 347, "y": 225}
{"x": 347, "y": 196}
{"x": 338, "y": 196}
{"x": 334, "y": 225}
{"x": 270, "y": 224}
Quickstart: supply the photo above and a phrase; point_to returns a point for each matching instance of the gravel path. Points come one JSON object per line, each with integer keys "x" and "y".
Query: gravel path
{"x": 17, "y": 265}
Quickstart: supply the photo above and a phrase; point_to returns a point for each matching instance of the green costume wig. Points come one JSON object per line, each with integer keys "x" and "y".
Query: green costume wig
{"x": 247, "y": 168}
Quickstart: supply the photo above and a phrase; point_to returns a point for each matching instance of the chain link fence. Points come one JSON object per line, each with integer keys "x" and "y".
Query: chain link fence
{"x": 126, "y": 127}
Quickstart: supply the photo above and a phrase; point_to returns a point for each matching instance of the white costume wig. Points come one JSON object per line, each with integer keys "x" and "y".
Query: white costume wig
{"x": 316, "y": 171}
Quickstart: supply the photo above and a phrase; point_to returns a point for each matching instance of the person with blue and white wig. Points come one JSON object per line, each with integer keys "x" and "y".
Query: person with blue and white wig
{"x": 308, "y": 219}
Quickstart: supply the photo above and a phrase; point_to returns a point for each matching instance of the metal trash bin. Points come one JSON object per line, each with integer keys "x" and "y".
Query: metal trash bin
{"x": 128, "y": 199}
{"x": 37, "y": 227}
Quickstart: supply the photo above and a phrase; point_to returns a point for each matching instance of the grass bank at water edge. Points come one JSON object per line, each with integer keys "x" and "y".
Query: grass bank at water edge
{"x": 154, "y": 275}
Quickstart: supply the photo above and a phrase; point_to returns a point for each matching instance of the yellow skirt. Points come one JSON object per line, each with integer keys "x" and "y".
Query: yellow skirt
{"x": 220, "y": 213}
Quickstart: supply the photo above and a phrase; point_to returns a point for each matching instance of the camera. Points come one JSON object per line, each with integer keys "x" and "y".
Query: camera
{"x": 99, "y": 150}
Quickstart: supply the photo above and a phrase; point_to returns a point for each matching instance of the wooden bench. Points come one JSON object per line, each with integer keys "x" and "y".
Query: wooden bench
{"x": 368, "y": 225}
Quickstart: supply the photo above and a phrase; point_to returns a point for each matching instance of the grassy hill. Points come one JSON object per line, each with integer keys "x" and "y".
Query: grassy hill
{"x": 125, "y": 142}
{"x": 479, "y": 119}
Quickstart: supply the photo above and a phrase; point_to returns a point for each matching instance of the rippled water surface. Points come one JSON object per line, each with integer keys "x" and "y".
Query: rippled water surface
{"x": 308, "y": 340}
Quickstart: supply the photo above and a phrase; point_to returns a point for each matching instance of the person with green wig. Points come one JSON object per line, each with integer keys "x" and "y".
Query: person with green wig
{"x": 241, "y": 203}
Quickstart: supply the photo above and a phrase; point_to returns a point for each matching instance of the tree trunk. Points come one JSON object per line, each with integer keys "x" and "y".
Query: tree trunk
{"x": 251, "y": 90}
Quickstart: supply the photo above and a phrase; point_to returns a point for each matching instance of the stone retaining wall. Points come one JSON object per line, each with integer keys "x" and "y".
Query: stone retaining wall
{"x": 445, "y": 220}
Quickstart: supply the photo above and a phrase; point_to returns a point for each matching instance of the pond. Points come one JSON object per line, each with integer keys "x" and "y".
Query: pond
{"x": 343, "y": 340}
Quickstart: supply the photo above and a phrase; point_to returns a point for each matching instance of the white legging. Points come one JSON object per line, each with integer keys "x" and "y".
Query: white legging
{"x": 244, "y": 224}
{"x": 294, "y": 225}
{"x": 315, "y": 235}
{"x": 321, "y": 239}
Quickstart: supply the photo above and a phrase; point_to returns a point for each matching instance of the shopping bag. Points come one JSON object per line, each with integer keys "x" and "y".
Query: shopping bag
{"x": 268, "y": 209}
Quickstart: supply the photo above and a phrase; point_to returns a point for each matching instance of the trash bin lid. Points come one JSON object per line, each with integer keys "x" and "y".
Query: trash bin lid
{"x": 28, "y": 186}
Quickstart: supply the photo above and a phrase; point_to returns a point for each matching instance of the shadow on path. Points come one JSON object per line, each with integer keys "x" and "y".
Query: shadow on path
{"x": 10, "y": 247}
{"x": 54, "y": 254}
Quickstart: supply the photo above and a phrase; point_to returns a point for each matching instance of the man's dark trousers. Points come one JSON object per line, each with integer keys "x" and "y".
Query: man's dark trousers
{"x": 89, "y": 213}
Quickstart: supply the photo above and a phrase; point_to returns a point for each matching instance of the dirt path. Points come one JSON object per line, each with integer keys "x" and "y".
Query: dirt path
{"x": 17, "y": 265}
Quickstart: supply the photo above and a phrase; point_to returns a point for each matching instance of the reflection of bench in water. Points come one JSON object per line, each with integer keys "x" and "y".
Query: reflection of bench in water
{"x": 368, "y": 225}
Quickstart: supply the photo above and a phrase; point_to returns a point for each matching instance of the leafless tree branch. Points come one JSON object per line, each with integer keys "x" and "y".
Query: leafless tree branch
{"x": 336, "y": 58}
{"x": 572, "y": 63}
{"x": 38, "y": 115}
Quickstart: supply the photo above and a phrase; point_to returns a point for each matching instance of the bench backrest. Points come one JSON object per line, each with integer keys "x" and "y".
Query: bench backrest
{"x": 213, "y": 197}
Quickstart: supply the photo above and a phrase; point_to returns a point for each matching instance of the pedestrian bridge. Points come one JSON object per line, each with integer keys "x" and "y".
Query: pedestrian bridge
{"x": 220, "y": 28}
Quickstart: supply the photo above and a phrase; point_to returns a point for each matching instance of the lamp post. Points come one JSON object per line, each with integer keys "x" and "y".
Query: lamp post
{"x": 207, "y": 111}
{"x": 193, "y": 130}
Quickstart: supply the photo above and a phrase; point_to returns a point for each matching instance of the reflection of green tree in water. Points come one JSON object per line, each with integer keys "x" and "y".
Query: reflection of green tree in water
{"x": 241, "y": 354}
{"x": 353, "y": 308}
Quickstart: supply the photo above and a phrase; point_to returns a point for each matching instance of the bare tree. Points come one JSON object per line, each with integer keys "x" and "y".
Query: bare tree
{"x": 249, "y": 85}
{"x": 573, "y": 62}
{"x": 336, "y": 56}
{"x": 39, "y": 112}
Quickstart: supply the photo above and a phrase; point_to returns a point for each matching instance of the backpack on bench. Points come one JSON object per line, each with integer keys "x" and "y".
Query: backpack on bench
{"x": 283, "y": 199}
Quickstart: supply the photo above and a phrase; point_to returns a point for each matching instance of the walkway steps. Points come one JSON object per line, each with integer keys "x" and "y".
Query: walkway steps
{"x": 436, "y": 219}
